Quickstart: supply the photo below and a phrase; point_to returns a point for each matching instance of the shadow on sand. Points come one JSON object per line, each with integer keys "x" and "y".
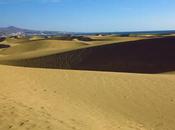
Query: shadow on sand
{"x": 4, "y": 46}
{"x": 143, "y": 56}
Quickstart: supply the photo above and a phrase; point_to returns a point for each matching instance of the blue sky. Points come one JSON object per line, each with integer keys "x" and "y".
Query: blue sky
{"x": 89, "y": 15}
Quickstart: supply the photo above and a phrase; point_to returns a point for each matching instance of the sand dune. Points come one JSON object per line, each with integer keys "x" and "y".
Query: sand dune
{"x": 16, "y": 40}
{"x": 25, "y": 53}
{"x": 44, "y": 99}
{"x": 141, "y": 56}
{"x": 38, "y": 98}
{"x": 40, "y": 45}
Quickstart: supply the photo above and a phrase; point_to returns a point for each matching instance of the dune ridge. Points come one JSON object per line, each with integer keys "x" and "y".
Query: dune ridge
{"x": 140, "y": 56}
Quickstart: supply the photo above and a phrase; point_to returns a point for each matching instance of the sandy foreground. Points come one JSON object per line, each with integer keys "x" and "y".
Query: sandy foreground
{"x": 46, "y": 99}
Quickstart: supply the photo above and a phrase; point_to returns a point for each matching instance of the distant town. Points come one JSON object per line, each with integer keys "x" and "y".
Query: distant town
{"x": 14, "y": 31}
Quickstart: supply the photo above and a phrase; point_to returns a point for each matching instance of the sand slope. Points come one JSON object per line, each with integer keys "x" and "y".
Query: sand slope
{"x": 140, "y": 56}
{"x": 39, "y": 46}
{"x": 44, "y": 99}
{"x": 53, "y": 99}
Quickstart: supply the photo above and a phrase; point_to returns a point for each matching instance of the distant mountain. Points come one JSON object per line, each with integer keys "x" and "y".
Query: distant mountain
{"x": 11, "y": 30}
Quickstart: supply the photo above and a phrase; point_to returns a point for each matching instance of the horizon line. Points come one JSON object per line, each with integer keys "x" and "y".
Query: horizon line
{"x": 134, "y": 31}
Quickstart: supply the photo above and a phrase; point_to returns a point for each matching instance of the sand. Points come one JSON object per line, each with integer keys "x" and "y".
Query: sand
{"x": 136, "y": 56}
{"x": 43, "y": 99}
{"x": 36, "y": 96}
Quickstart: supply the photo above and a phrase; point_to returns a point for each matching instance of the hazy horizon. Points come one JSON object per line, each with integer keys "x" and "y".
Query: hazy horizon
{"x": 134, "y": 31}
{"x": 89, "y": 15}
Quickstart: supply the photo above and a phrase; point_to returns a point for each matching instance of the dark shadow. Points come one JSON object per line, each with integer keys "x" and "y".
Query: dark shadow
{"x": 4, "y": 46}
{"x": 143, "y": 56}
